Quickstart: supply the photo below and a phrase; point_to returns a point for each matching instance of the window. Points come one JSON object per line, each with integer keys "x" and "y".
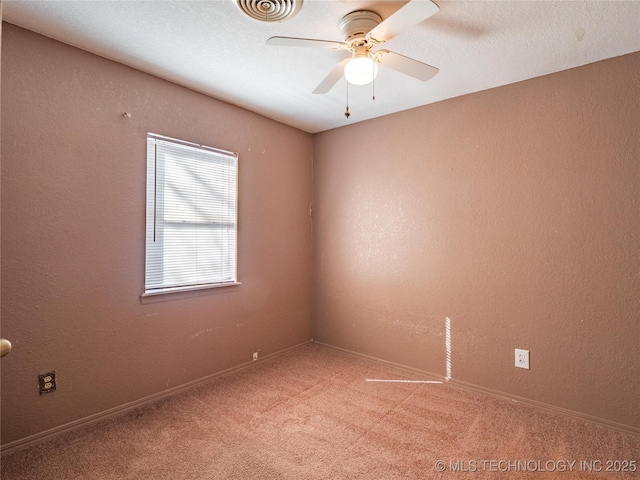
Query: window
{"x": 192, "y": 199}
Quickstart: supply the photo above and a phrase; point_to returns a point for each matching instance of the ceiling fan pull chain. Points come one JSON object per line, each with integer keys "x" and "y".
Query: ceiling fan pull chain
{"x": 373, "y": 67}
{"x": 346, "y": 112}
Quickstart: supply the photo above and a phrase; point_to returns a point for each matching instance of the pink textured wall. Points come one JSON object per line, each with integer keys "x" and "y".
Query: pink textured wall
{"x": 514, "y": 212}
{"x": 73, "y": 227}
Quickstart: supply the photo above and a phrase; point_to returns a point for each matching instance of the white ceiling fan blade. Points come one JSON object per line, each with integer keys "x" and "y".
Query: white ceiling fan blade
{"x": 305, "y": 42}
{"x": 411, "y": 14}
{"x": 331, "y": 79}
{"x": 406, "y": 65}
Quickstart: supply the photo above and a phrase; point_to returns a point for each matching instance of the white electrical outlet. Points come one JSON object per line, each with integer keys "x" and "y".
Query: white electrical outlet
{"x": 522, "y": 358}
{"x": 255, "y": 355}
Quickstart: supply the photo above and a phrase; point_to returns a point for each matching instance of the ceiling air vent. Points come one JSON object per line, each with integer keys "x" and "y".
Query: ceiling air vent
{"x": 269, "y": 10}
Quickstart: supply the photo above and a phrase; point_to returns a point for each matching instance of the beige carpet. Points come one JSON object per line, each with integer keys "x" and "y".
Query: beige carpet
{"x": 312, "y": 414}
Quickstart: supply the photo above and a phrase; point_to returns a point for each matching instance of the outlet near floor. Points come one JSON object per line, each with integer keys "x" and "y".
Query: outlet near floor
{"x": 522, "y": 358}
{"x": 47, "y": 382}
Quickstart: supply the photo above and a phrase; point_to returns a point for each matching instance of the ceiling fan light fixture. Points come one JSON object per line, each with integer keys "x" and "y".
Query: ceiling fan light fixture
{"x": 361, "y": 69}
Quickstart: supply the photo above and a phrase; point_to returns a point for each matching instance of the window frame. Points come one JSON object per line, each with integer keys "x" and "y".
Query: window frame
{"x": 151, "y": 178}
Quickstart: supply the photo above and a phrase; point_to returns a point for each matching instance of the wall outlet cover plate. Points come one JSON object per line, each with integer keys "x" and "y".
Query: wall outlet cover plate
{"x": 47, "y": 382}
{"x": 522, "y": 358}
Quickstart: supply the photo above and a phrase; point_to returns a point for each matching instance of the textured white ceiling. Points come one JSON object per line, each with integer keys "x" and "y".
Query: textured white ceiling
{"x": 210, "y": 46}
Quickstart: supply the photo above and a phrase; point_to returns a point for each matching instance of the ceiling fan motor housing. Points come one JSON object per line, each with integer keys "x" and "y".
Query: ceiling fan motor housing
{"x": 355, "y": 25}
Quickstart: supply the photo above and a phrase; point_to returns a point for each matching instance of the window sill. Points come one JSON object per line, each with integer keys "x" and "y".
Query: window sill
{"x": 183, "y": 292}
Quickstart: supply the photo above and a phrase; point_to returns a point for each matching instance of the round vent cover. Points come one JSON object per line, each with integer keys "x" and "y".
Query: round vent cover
{"x": 269, "y": 10}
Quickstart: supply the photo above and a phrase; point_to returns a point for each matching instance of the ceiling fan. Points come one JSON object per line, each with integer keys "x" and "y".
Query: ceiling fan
{"x": 361, "y": 31}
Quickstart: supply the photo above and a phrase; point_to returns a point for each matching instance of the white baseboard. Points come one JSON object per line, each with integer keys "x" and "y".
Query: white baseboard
{"x": 120, "y": 409}
{"x": 602, "y": 422}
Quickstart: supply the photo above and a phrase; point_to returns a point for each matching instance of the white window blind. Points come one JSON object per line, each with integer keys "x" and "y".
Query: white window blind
{"x": 191, "y": 216}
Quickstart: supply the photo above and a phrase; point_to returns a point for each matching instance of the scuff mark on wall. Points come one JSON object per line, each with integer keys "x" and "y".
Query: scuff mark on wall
{"x": 197, "y": 334}
{"x": 447, "y": 344}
